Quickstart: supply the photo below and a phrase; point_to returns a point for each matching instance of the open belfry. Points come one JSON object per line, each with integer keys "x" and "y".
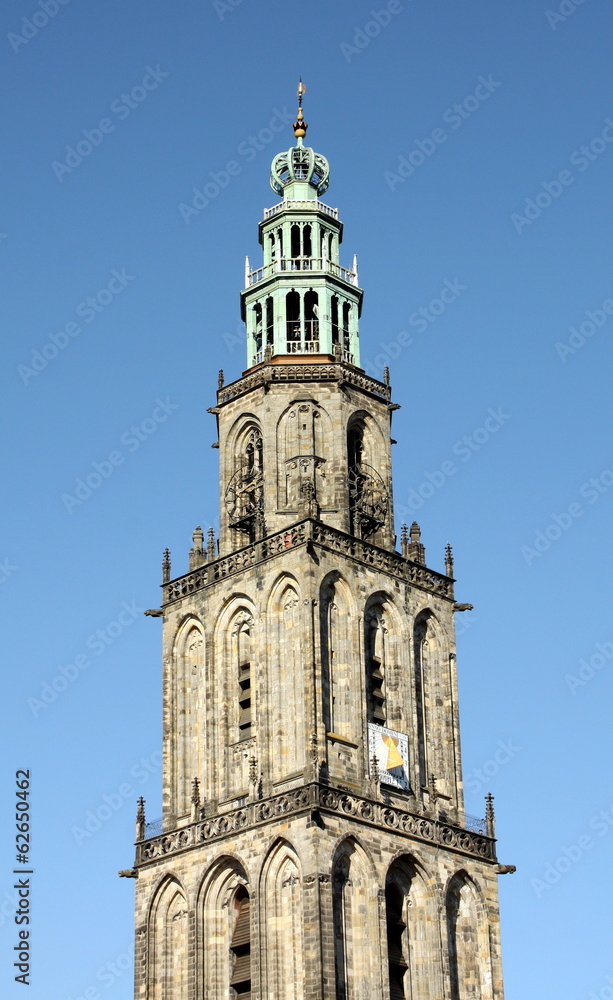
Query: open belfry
{"x": 314, "y": 844}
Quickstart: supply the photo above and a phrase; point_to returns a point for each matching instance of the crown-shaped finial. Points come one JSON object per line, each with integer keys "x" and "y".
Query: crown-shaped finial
{"x": 300, "y": 126}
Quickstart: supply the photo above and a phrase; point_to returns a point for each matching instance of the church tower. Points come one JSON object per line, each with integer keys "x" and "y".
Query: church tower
{"x": 314, "y": 844}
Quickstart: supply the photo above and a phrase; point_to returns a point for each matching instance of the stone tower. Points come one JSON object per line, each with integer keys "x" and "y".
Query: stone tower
{"x": 314, "y": 844}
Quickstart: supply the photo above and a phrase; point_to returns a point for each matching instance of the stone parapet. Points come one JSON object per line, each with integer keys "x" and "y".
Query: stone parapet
{"x": 279, "y": 370}
{"x": 317, "y": 798}
{"x": 308, "y": 532}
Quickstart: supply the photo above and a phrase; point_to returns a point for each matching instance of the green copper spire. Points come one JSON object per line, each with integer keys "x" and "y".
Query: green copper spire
{"x": 300, "y": 172}
{"x": 301, "y": 301}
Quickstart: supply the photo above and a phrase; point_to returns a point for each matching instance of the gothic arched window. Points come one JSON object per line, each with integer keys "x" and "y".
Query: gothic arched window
{"x": 413, "y": 942}
{"x": 240, "y": 945}
{"x": 397, "y": 950}
{"x": 421, "y": 658}
{"x": 464, "y": 939}
{"x": 356, "y": 925}
{"x": 375, "y": 648}
{"x": 243, "y": 662}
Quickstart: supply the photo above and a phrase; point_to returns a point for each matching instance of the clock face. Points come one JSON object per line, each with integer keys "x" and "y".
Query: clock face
{"x": 245, "y": 493}
{"x": 368, "y": 495}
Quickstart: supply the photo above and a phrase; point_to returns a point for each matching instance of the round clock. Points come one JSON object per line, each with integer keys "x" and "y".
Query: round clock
{"x": 244, "y": 494}
{"x": 368, "y": 496}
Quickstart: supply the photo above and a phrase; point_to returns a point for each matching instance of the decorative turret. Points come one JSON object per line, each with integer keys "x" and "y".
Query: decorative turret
{"x": 301, "y": 301}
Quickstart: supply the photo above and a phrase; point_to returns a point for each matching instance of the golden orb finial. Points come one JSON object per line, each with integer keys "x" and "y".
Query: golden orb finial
{"x": 300, "y": 126}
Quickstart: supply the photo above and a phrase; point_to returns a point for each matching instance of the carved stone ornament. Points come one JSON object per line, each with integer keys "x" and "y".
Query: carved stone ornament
{"x": 245, "y": 494}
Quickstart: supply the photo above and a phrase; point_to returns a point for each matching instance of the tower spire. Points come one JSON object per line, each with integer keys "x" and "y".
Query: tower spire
{"x": 300, "y": 126}
{"x": 301, "y": 300}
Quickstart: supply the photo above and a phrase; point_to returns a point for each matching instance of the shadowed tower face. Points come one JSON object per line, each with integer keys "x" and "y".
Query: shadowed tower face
{"x": 314, "y": 844}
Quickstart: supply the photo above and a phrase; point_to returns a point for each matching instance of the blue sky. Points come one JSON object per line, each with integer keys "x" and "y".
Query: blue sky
{"x": 470, "y": 148}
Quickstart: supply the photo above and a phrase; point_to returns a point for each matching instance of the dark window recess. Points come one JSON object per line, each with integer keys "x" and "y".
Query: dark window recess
{"x": 240, "y": 949}
{"x": 396, "y": 928}
{"x": 244, "y": 701}
{"x": 377, "y": 696}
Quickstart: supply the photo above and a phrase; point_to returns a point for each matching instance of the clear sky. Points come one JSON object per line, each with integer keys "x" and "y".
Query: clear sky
{"x": 471, "y": 150}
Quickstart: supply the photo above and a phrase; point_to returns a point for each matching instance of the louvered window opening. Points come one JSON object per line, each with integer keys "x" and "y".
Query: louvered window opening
{"x": 240, "y": 951}
{"x": 244, "y": 700}
{"x": 377, "y": 696}
{"x": 396, "y": 928}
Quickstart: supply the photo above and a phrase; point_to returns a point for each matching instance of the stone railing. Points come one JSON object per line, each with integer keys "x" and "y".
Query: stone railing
{"x": 323, "y": 372}
{"x": 326, "y": 799}
{"x": 322, "y": 534}
{"x": 300, "y": 206}
{"x": 389, "y": 562}
{"x": 310, "y": 264}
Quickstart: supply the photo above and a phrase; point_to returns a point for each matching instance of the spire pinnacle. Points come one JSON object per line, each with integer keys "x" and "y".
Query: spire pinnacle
{"x": 300, "y": 126}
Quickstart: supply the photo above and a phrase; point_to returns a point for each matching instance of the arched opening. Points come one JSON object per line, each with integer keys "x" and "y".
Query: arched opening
{"x": 412, "y": 925}
{"x": 223, "y": 932}
{"x": 421, "y": 652}
{"x": 375, "y": 648}
{"x": 346, "y": 320}
{"x": 311, "y": 322}
{"x": 339, "y": 675}
{"x": 464, "y": 940}
{"x": 270, "y": 326}
{"x": 282, "y": 922}
{"x": 397, "y": 950}
{"x": 244, "y": 499}
{"x": 168, "y": 937}
{"x": 243, "y": 649}
{"x": 292, "y": 312}
{"x": 240, "y": 945}
{"x": 334, "y": 319}
{"x": 295, "y": 243}
{"x": 287, "y": 682}
{"x": 356, "y": 925}
{"x": 187, "y": 679}
{"x": 257, "y": 326}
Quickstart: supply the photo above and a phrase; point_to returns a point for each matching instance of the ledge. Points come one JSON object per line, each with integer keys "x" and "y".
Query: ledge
{"x": 311, "y": 532}
{"x": 327, "y": 800}
{"x": 306, "y": 370}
